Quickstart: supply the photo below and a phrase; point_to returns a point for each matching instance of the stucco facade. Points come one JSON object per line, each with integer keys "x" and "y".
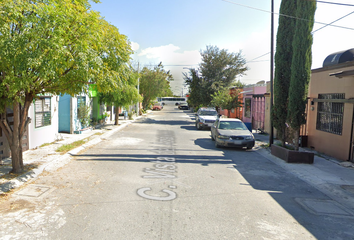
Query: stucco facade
{"x": 38, "y": 131}
{"x": 68, "y": 112}
{"x": 254, "y": 105}
{"x": 331, "y": 89}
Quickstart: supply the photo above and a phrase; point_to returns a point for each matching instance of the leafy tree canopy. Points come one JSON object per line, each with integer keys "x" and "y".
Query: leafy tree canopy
{"x": 57, "y": 47}
{"x": 225, "y": 100}
{"x": 218, "y": 71}
{"x": 154, "y": 83}
{"x": 124, "y": 95}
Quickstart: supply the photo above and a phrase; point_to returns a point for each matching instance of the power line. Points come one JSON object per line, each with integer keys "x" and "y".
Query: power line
{"x": 258, "y": 57}
{"x": 186, "y": 65}
{"x": 259, "y": 60}
{"x": 284, "y": 15}
{"x": 329, "y": 24}
{"x": 326, "y": 25}
{"x": 334, "y": 3}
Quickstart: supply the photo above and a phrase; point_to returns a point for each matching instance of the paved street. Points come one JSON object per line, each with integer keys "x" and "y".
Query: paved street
{"x": 160, "y": 178}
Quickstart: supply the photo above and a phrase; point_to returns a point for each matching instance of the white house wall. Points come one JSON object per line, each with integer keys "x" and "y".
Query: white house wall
{"x": 46, "y": 134}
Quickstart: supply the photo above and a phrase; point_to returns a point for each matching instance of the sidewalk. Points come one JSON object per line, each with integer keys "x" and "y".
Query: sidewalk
{"x": 332, "y": 177}
{"x": 47, "y": 159}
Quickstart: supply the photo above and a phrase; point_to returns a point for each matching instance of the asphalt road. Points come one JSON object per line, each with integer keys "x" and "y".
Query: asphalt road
{"x": 160, "y": 178}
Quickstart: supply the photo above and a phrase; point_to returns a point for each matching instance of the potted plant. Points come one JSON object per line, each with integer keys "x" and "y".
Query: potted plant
{"x": 291, "y": 78}
{"x": 289, "y": 155}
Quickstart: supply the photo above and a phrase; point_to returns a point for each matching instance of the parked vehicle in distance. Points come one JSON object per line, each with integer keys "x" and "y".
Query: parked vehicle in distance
{"x": 171, "y": 100}
{"x": 231, "y": 132}
{"x": 183, "y": 106}
{"x": 157, "y": 106}
{"x": 205, "y": 118}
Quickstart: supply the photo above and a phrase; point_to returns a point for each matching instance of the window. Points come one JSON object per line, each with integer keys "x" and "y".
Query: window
{"x": 330, "y": 114}
{"x": 247, "y": 107}
{"x": 43, "y": 112}
{"x": 81, "y": 101}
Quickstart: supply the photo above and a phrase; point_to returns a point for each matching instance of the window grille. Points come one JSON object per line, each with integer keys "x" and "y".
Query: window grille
{"x": 330, "y": 114}
{"x": 43, "y": 112}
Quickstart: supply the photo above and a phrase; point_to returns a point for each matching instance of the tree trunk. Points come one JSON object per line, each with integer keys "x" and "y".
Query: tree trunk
{"x": 16, "y": 157}
{"x": 14, "y": 134}
{"x": 15, "y": 142}
{"x": 296, "y": 139}
{"x": 116, "y": 117}
{"x": 282, "y": 136}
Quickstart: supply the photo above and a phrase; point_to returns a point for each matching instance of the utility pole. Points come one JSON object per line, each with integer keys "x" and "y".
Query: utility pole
{"x": 271, "y": 72}
{"x": 138, "y": 103}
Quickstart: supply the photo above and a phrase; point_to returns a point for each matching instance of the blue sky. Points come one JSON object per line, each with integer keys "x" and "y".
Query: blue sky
{"x": 175, "y": 31}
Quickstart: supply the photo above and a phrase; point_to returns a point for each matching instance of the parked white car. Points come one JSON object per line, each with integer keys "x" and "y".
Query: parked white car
{"x": 205, "y": 118}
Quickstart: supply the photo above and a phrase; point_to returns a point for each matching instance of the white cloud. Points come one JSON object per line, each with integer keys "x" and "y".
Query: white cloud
{"x": 135, "y": 46}
{"x": 169, "y": 55}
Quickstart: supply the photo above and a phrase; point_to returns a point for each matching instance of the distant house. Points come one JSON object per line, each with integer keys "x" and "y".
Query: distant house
{"x": 68, "y": 112}
{"x": 42, "y": 129}
{"x": 235, "y": 112}
{"x": 100, "y": 112}
{"x": 330, "y": 115}
{"x": 254, "y": 103}
{"x": 69, "y": 107}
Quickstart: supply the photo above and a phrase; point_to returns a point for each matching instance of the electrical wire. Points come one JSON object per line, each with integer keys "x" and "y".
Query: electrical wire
{"x": 258, "y": 57}
{"x": 334, "y": 3}
{"x": 325, "y": 24}
{"x": 284, "y": 15}
{"x": 329, "y": 24}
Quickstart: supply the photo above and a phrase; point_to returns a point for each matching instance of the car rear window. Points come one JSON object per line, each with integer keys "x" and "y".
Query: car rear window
{"x": 208, "y": 113}
{"x": 231, "y": 125}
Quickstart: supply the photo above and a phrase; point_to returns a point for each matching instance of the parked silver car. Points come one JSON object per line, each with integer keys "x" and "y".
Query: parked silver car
{"x": 205, "y": 118}
{"x": 231, "y": 132}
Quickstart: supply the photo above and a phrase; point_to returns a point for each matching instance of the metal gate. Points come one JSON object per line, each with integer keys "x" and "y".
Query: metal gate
{"x": 258, "y": 112}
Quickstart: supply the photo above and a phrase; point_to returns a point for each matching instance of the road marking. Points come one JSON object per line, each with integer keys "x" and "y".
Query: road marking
{"x": 164, "y": 168}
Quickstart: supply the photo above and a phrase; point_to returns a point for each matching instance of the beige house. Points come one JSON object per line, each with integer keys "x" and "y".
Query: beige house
{"x": 330, "y": 115}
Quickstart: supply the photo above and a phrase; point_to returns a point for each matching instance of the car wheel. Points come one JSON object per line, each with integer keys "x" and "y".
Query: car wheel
{"x": 248, "y": 148}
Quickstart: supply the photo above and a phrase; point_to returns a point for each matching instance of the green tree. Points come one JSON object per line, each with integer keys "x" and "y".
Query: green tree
{"x": 52, "y": 46}
{"x": 123, "y": 96}
{"x": 218, "y": 70}
{"x": 224, "y": 99}
{"x": 154, "y": 83}
{"x": 196, "y": 88}
{"x": 83, "y": 114}
{"x": 283, "y": 59}
{"x": 301, "y": 66}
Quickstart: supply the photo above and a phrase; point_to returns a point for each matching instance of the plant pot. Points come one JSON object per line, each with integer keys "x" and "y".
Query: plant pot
{"x": 292, "y": 156}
